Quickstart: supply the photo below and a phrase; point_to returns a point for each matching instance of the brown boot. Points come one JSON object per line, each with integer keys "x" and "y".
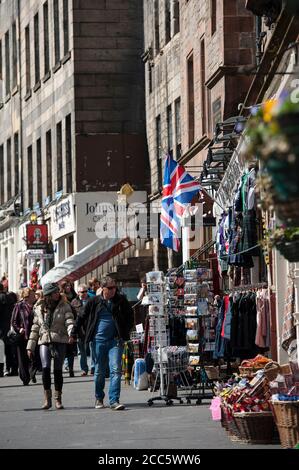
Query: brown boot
{"x": 48, "y": 400}
{"x": 58, "y": 403}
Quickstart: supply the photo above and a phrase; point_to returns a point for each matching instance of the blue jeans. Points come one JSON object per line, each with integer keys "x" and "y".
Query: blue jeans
{"x": 107, "y": 351}
{"x": 83, "y": 355}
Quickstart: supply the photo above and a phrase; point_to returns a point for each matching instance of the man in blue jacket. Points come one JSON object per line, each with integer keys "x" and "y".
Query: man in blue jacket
{"x": 108, "y": 319}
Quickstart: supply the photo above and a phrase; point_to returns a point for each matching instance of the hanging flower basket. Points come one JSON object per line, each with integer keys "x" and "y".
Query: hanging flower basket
{"x": 288, "y": 212}
{"x": 290, "y": 250}
{"x": 289, "y": 125}
{"x": 284, "y": 175}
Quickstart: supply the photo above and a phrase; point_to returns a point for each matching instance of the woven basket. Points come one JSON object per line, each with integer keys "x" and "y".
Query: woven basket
{"x": 229, "y": 424}
{"x": 248, "y": 371}
{"x": 212, "y": 372}
{"x": 290, "y": 250}
{"x": 286, "y": 415}
{"x": 256, "y": 428}
{"x": 271, "y": 370}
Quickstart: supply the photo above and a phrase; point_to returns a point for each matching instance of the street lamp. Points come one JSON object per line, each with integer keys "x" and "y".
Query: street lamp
{"x": 33, "y": 217}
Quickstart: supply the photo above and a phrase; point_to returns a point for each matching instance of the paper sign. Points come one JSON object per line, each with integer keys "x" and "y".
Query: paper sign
{"x": 139, "y": 328}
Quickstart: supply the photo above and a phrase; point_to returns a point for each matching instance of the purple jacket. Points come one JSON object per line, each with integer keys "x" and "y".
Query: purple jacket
{"x": 22, "y": 317}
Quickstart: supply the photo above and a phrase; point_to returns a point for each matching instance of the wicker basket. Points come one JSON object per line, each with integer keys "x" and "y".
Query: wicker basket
{"x": 286, "y": 415}
{"x": 212, "y": 372}
{"x": 249, "y": 371}
{"x": 256, "y": 428}
{"x": 271, "y": 370}
{"x": 290, "y": 250}
{"x": 229, "y": 424}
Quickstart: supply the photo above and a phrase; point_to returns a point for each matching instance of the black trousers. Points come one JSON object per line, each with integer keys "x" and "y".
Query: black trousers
{"x": 27, "y": 367}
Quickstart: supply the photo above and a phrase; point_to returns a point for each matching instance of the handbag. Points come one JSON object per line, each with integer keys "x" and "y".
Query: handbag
{"x": 14, "y": 337}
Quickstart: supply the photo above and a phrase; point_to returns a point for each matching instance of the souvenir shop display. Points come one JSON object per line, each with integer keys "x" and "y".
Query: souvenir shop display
{"x": 167, "y": 361}
{"x": 253, "y": 409}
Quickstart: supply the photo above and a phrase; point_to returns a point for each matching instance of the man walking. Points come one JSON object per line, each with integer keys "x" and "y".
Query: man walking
{"x": 79, "y": 304}
{"x": 108, "y": 320}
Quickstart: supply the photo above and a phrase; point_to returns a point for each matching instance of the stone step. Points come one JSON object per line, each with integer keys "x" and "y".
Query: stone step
{"x": 144, "y": 252}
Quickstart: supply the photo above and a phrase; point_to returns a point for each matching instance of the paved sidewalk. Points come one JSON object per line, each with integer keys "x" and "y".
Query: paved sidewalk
{"x": 80, "y": 426}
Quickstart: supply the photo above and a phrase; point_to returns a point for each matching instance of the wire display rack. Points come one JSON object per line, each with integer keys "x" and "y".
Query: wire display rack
{"x": 170, "y": 364}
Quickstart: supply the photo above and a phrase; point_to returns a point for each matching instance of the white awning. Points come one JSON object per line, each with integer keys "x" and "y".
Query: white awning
{"x": 86, "y": 260}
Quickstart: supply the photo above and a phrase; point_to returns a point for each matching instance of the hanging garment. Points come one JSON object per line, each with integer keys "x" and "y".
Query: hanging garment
{"x": 288, "y": 336}
{"x": 262, "y": 338}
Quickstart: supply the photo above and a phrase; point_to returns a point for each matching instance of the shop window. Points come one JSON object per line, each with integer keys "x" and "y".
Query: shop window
{"x": 49, "y": 163}
{"x": 59, "y": 186}
{"x": 27, "y": 54}
{"x": 16, "y": 162}
{"x": 46, "y": 39}
{"x": 36, "y": 49}
{"x": 190, "y": 84}
{"x": 8, "y": 168}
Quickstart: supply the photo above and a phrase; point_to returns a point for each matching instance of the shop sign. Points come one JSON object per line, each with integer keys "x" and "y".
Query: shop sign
{"x": 63, "y": 218}
{"x": 231, "y": 179}
{"x": 36, "y": 236}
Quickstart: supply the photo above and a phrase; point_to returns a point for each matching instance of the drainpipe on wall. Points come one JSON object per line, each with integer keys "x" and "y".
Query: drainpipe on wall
{"x": 21, "y": 114}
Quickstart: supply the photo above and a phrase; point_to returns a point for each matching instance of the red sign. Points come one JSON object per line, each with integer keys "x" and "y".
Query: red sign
{"x": 37, "y": 236}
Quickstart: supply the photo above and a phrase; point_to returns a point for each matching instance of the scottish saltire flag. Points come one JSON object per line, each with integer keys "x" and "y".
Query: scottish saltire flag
{"x": 179, "y": 188}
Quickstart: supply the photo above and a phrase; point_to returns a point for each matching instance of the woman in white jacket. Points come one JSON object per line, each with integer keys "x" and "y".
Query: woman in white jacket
{"x": 52, "y": 325}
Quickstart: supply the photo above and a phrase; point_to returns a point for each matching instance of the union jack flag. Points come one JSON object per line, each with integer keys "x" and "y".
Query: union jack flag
{"x": 179, "y": 188}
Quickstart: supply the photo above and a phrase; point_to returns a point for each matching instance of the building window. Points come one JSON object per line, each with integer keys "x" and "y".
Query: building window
{"x": 159, "y": 151}
{"x": 190, "y": 84}
{"x": 46, "y": 38}
{"x": 56, "y": 32}
{"x": 27, "y": 53}
{"x": 66, "y": 45}
{"x": 177, "y": 111}
{"x": 157, "y": 26}
{"x": 68, "y": 153}
{"x": 30, "y": 177}
{"x": 203, "y": 86}
{"x": 1, "y": 75}
{"x": 169, "y": 130}
{"x": 49, "y": 163}
{"x": 16, "y": 162}
{"x": 213, "y": 6}
{"x": 176, "y": 16}
{"x": 70, "y": 245}
{"x": 1, "y": 174}
{"x": 14, "y": 56}
{"x": 36, "y": 49}
{"x": 8, "y": 168}
{"x": 150, "y": 77}
{"x": 39, "y": 171}
{"x": 59, "y": 156}
{"x": 7, "y": 64}
{"x": 167, "y": 21}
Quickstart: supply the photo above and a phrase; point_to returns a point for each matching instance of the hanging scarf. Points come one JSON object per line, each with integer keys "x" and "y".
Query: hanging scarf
{"x": 288, "y": 328}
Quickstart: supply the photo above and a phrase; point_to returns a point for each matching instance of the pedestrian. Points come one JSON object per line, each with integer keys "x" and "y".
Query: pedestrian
{"x": 94, "y": 285}
{"x": 52, "y": 324}
{"x": 79, "y": 304}
{"x": 108, "y": 320}
{"x": 67, "y": 288}
{"x": 21, "y": 321}
{"x": 7, "y": 303}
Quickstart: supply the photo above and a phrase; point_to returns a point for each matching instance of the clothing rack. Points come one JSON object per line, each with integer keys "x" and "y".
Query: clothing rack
{"x": 259, "y": 285}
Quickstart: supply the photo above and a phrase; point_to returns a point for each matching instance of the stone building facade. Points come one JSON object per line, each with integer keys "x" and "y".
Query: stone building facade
{"x": 195, "y": 52}
{"x": 72, "y": 105}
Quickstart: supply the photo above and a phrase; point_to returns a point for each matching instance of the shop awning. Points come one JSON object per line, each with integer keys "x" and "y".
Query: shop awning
{"x": 86, "y": 260}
